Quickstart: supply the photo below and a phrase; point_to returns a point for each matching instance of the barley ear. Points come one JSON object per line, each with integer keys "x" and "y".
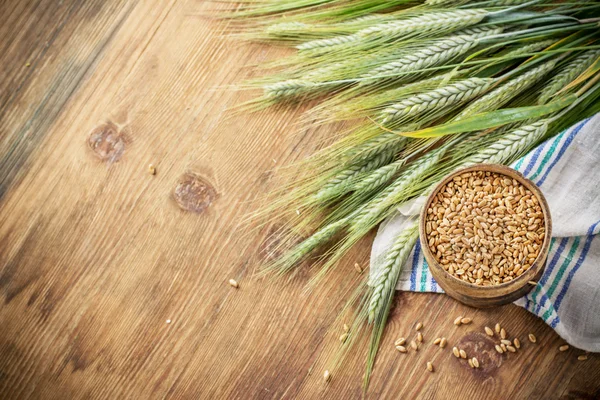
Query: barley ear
{"x": 387, "y": 276}
{"x": 567, "y": 74}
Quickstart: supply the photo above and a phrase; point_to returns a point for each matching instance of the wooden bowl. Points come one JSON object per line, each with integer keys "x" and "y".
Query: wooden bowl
{"x": 488, "y": 296}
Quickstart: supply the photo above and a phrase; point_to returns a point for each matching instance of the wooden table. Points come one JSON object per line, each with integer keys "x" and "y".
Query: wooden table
{"x": 113, "y": 281}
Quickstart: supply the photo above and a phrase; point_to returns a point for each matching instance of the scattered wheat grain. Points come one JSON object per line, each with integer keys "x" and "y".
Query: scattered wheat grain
{"x": 414, "y": 345}
{"x": 532, "y": 338}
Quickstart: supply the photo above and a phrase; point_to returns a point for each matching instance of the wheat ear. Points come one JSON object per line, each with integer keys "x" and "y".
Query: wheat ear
{"x": 380, "y": 143}
{"x": 509, "y": 145}
{"x": 286, "y": 29}
{"x": 290, "y": 87}
{"x": 426, "y": 23}
{"x": 379, "y": 177}
{"x": 415, "y": 172}
{"x": 293, "y": 256}
{"x": 328, "y": 42}
{"x": 343, "y": 181}
{"x": 567, "y": 74}
{"x": 530, "y": 48}
{"x": 504, "y": 93}
{"x": 389, "y": 271}
{"x": 434, "y": 54}
{"x": 433, "y": 100}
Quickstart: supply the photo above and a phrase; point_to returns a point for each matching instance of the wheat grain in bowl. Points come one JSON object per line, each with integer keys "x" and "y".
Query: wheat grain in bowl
{"x": 485, "y": 228}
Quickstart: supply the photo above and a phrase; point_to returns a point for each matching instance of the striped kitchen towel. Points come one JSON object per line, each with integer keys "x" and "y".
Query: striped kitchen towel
{"x": 567, "y": 170}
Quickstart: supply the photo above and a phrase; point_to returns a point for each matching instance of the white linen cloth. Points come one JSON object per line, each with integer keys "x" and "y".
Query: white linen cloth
{"x": 567, "y": 170}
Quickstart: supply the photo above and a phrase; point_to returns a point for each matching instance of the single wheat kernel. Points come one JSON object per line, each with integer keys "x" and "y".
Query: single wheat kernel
{"x": 414, "y": 346}
{"x": 503, "y": 333}
{"x": 463, "y": 354}
{"x": 401, "y": 349}
{"x": 443, "y": 342}
{"x": 506, "y": 342}
{"x": 429, "y": 366}
{"x": 582, "y": 357}
{"x": 499, "y": 349}
{"x": 497, "y": 328}
{"x": 457, "y": 321}
{"x": 564, "y": 347}
{"x": 358, "y": 268}
{"x": 346, "y": 328}
{"x": 517, "y": 343}
{"x": 152, "y": 169}
{"x": 510, "y": 348}
{"x": 471, "y": 363}
{"x": 532, "y": 338}
{"x": 400, "y": 342}
{"x": 465, "y": 321}
{"x": 419, "y": 326}
{"x": 533, "y": 283}
{"x": 343, "y": 337}
{"x": 326, "y": 376}
{"x": 420, "y": 337}
{"x": 475, "y": 362}
{"x": 489, "y": 331}
{"x": 437, "y": 341}
{"x": 503, "y": 347}
{"x": 234, "y": 283}
{"x": 456, "y": 352}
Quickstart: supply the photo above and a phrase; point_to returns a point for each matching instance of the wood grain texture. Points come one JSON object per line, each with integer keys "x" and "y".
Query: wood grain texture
{"x": 96, "y": 254}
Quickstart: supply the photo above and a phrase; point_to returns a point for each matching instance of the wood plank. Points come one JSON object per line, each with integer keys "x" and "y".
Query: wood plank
{"x": 97, "y": 254}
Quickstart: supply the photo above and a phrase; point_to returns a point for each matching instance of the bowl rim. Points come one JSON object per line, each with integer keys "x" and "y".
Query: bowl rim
{"x": 507, "y": 171}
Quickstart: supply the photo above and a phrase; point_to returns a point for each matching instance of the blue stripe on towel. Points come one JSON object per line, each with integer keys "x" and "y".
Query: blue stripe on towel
{"x": 562, "y": 151}
{"x": 584, "y": 252}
